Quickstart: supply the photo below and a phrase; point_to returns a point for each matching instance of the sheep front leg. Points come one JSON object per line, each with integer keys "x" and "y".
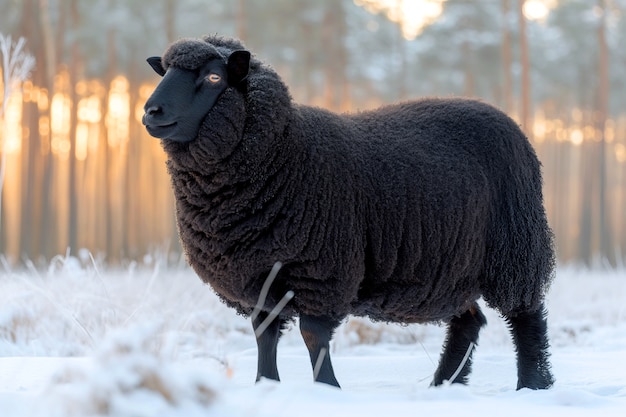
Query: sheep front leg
{"x": 456, "y": 360}
{"x": 267, "y": 341}
{"x": 317, "y": 332}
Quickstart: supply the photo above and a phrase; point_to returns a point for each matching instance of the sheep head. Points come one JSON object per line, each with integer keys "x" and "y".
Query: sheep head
{"x": 195, "y": 74}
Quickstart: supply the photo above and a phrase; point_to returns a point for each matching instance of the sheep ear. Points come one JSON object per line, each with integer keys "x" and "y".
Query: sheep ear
{"x": 238, "y": 66}
{"x": 155, "y": 63}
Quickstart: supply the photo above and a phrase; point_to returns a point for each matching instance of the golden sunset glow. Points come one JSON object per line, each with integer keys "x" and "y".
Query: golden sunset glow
{"x": 117, "y": 119}
{"x": 90, "y": 112}
{"x": 42, "y": 99}
{"x": 538, "y": 9}
{"x": 60, "y": 124}
{"x": 414, "y": 15}
{"x": 82, "y": 139}
{"x": 576, "y": 136}
{"x": 11, "y": 128}
{"x": 609, "y": 131}
{"x": 145, "y": 91}
{"x": 89, "y": 115}
{"x": 89, "y": 109}
{"x": 620, "y": 152}
{"x": 411, "y": 15}
{"x": 80, "y": 170}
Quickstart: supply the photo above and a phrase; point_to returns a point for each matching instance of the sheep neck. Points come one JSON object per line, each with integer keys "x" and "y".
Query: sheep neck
{"x": 234, "y": 170}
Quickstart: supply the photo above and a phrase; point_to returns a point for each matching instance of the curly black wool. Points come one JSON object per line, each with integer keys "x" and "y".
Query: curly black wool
{"x": 408, "y": 213}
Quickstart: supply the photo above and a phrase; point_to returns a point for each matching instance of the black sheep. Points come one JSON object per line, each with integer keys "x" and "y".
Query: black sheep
{"x": 409, "y": 213}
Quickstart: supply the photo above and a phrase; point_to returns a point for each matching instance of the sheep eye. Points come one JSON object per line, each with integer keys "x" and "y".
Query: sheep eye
{"x": 214, "y": 78}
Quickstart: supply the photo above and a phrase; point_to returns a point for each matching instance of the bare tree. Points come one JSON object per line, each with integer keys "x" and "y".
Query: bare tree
{"x": 16, "y": 67}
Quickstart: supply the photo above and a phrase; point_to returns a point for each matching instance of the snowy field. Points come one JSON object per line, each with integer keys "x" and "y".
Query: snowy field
{"x": 149, "y": 341}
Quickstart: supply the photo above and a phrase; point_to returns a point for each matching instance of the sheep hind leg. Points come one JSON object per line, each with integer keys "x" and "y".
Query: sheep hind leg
{"x": 317, "y": 332}
{"x": 267, "y": 342}
{"x": 530, "y": 335}
{"x": 460, "y": 341}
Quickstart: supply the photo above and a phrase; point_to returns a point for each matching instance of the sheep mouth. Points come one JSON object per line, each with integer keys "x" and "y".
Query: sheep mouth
{"x": 161, "y": 131}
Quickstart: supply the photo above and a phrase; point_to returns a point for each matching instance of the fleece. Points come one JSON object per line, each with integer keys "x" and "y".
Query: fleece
{"x": 407, "y": 213}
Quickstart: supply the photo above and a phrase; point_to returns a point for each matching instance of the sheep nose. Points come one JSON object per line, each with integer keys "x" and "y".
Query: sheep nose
{"x": 153, "y": 110}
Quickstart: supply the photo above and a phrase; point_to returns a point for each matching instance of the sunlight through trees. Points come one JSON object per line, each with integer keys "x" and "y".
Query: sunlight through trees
{"x": 82, "y": 172}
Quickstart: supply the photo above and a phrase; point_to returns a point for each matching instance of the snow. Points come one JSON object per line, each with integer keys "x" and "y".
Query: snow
{"x": 149, "y": 341}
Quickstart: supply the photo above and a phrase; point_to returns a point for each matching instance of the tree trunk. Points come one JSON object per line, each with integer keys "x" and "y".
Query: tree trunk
{"x": 329, "y": 71}
{"x": 48, "y": 40}
{"x": 402, "y": 77}
{"x": 108, "y": 157}
{"x": 586, "y": 236}
{"x": 333, "y": 35}
{"x": 29, "y": 232}
{"x": 74, "y": 73}
{"x": 46, "y": 62}
{"x": 305, "y": 71}
{"x": 468, "y": 85}
{"x": 606, "y": 244}
{"x": 506, "y": 59}
{"x": 242, "y": 26}
{"x": 525, "y": 85}
{"x": 170, "y": 20}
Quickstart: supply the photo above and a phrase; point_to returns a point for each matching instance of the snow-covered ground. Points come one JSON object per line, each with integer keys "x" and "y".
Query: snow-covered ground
{"x": 149, "y": 341}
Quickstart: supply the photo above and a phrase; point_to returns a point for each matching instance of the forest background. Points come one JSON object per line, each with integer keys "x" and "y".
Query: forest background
{"x": 82, "y": 173}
